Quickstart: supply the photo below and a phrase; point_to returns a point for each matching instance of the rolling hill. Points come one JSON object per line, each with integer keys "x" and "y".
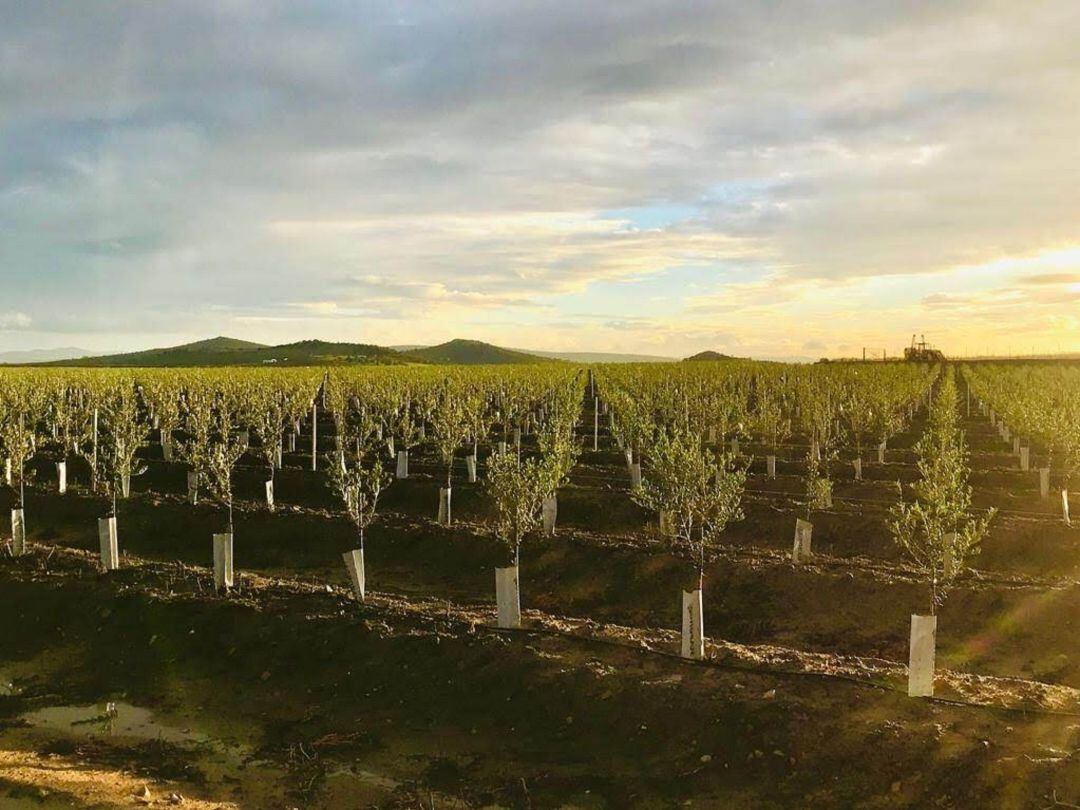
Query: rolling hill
{"x": 223, "y": 351}
{"x": 226, "y": 351}
{"x": 573, "y": 357}
{"x": 605, "y": 357}
{"x": 709, "y": 355}
{"x": 31, "y": 356}
{"x": 472, "y": 352}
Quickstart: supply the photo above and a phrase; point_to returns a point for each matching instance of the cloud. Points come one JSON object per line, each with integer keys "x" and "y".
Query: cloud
{"x": 11, "y": 321}
{"x": 1052, "y": 279}
{"x": 351, "y": 170}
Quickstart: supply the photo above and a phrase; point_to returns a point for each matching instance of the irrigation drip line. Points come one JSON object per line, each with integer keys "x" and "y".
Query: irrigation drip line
{"x": 736, "y": 553}
{"x": 576, "y": 477}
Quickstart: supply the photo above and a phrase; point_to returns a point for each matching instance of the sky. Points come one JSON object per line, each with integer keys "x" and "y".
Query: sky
{"x": 768, "y": 179}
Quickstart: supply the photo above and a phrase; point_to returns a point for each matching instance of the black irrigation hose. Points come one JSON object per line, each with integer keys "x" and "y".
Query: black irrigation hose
{"x": 1000, "y": 578}
{"x": 787, "y": 673}
{"x": 773, "y": 671}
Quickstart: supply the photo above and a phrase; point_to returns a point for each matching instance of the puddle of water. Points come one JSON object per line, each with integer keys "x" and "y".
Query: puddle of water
{"x": 7, "y": 686}
{"x": 369, "y": 778}
{"x": 223, "y": 763}
{"x": 111, "y": 720}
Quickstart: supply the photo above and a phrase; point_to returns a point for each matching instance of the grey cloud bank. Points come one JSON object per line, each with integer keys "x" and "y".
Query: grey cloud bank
{"x": 357, "y": 170}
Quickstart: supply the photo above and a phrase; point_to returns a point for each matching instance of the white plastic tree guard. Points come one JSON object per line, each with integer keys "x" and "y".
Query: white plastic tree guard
{"x": 635, "y": 475}
{"x": 921, "y": 657}
{"x": 7, "y": 471}
{"x": 804, "y": 532}
{"x": 270, "y": 495}
{"x": 354, "y": 564}
{"x": 1025, "y": 458}
{"x": 1065, "y": 507}
{"x": 596, "y": 425}
{"x": 223, "y": 561}
{"x": 667, "y": 524}
{"x": 18, "y": 532}
{"x": 1044, "y": 482}
{"x": 279, "y": 461}
{"x": 290, "y": 442}
{"x": 881, "y": 453}
{"x": 550, "y": 511}
{"x": 193, "y": 487}
{"x": 61, "y": 477}
{"x": 857, "y": 464}
{"x": 693, "y": 626}
{"x": 403, "y": 464}
{"x": 125, "y": 485}
{"x": 1016, "y": 445}
{"x": 629, "y": 454}
{"x": 391, "y": 448}
{"x": 94, "y": 454}
{"x": 517, "y": 437}
{"x": 444, "y": 506}
{"x": 470, "y": 465}
{"x": 110, "y": 543}
{"x": 244, "y": 437}
{"x": 314, "y": 437}
{"x": 508, "y": 597}
{"x": 770, "y": 466}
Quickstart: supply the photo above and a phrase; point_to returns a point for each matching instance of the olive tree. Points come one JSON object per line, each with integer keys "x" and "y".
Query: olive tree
{"x": 699, "y": 490}
{"x": 358, "y": 485}
{"x": 935, "y": 530}
{"x": 123, "y": 433}
{"x": 224, "y": 451}
{"x": 517, "y": 487}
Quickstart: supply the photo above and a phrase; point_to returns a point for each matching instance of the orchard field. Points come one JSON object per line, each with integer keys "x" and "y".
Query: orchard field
{"x": 709, "y": 584}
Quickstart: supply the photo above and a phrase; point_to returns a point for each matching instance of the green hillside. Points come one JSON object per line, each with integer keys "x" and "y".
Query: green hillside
{"x": 471, "y": 352}
{"x": 223, "y": 351}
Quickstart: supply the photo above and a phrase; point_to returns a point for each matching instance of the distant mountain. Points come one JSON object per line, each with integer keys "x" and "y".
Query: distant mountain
{"x": 226, "y": 351}
{"x": 223, "y": 351}
{"x": 41, "y": 355}
{"x": 710, "y": 355}
{"x": 572, "y": 357}
{"x": 471, "y": 352}
{"x": 605, "y": 357}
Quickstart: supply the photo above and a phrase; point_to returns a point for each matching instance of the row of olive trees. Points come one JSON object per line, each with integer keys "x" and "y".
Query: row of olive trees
{"x": 99, "y": 422}
{"x": 521, "y": 485}
{"x": 936, "y": 528}
{"x": 1039, "y": 402}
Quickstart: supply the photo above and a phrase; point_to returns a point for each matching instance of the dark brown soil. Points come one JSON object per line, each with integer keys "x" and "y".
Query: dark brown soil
{"x": 412, "y": 697}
